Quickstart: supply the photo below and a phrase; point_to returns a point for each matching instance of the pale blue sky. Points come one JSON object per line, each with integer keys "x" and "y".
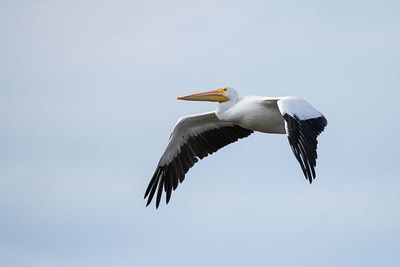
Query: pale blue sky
{"x": 87, "y": 103}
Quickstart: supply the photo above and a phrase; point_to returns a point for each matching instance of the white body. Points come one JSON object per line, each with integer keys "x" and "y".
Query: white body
{"x": 257, "y": 113}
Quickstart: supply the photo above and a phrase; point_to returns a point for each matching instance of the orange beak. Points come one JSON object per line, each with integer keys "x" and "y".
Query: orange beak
{"x": 213, "y": 96}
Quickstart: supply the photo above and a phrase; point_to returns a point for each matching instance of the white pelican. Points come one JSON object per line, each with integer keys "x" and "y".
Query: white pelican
{"x": 195, "y": 137}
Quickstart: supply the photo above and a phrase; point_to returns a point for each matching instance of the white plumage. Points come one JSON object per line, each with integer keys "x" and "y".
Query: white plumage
{"x": 196, "y": 136}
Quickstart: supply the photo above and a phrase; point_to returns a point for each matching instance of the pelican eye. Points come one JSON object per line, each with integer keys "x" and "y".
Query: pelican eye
{"x": 223, "y": 90}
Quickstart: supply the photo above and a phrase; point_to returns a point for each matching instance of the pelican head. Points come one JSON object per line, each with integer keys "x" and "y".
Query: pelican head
{"x": 220, "y": 95}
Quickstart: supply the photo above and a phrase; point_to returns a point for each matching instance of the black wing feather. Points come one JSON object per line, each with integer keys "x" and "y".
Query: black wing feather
{"x": 168, "y": 176}
{"x": 302, "y": 135}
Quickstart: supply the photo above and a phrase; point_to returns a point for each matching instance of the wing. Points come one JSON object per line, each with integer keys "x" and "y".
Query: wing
{"x": 303, "y": 124}
{"x": 193, "y": 138}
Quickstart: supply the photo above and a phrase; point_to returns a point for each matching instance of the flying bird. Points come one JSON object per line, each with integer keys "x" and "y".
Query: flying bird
{"x": 197, "y": 136}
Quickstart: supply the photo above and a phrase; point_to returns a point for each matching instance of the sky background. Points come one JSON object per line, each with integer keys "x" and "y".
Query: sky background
{"x": 88, "y": 100}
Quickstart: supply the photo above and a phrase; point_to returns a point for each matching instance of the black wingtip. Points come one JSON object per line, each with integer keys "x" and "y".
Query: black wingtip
{"x": 147, "y": 191}
{"x": 302, "y": 135}
{"x": 168, "y": 196}
{"x": 148, "y": 202}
